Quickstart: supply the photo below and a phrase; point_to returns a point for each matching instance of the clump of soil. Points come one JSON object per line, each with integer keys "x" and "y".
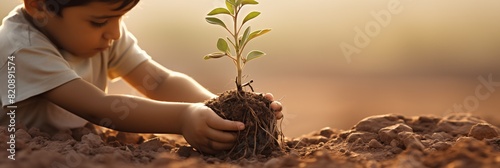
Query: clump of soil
{"x": 457, "y": 140}
{"x": 261, "y": 136}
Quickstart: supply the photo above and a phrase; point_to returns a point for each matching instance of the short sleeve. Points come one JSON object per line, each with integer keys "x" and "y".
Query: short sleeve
{"x": 37, "y": 70}
{"x": 125, "y": 55}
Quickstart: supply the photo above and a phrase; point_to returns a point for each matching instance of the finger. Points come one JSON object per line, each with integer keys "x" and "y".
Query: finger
{"x": 276, "y": 106}
{"x": 269, "y": 96}
{"x": 216, "y": 122}
{"x": 217, "y": 146}
{"x": 212, "y": 147}
{"x": 279, "y": 115}
{"x": 206, "y": 149}
{"x": 220, "y": 136}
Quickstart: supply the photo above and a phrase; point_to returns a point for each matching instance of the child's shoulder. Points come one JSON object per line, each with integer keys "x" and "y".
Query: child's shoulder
{"x": 16, "y": 33}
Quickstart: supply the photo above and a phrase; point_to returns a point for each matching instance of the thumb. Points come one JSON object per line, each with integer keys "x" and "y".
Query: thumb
{"x": 216, "y": 122}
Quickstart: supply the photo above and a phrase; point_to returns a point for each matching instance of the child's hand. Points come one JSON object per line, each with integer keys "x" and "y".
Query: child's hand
{"x": 275, "y": 105}
{"x": 206, "y": 131}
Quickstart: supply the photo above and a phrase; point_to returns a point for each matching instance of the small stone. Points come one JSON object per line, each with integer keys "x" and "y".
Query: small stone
{"x": 344, "y": 134}
{"x": 441, "y": 146}
{"x": 115, "y": 144}
{"x": 364, "y": 136}
{"x": 427, "y": 119}
{"x": 326, "y": 132}
{"x": 394, "y": 143}
{"x": 77, "y": 133}
{"x": 185, "y": 151}
{"x": 129, "y": 138}
{"x": 387, "y": 134}
{"x": 482, "y": 131}
{"x": 375, "y": 123}
{"x": 410, "y": 141}
{"x": 316, "y": 139}
{"x": 423, "y": 123}
{"x": 92, "y": 140}
{"x": 375, "y": 144}
{"x": 427, "y": 142}
{"x": 151, "y": 145}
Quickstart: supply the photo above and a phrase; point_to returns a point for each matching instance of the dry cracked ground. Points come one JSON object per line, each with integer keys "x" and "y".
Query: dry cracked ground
{"x": 456, "y": 140}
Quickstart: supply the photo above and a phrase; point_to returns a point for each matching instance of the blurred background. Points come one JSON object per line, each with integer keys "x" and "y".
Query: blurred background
{"x": 425, "y": 58}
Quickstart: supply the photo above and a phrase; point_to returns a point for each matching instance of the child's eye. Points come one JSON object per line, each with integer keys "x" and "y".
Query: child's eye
{"x": 98, "y": 24}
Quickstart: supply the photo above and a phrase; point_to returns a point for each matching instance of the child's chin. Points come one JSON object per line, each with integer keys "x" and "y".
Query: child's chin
{"x": 88, "y": 54}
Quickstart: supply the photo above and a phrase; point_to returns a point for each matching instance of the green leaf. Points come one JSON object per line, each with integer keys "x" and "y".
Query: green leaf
{"x": 254, "y": 54}
{"x": 231, "y": 1}
{"x": 217, "y": 11}
{"x": 250, "y": 16}
{"x": 215, "y": 21}
{"x": 237, "y": 3}
{"x": 230, "y": 7}
{"x": 250, "y": 2}
{"x": 258, "y": 33}
{"x": 222, "y": 45}
{"x": 214, "y": 55}
{"x": 244, "y": 38}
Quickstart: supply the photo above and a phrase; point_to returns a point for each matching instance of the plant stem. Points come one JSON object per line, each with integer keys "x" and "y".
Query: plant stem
{"x": 237, "y": 48}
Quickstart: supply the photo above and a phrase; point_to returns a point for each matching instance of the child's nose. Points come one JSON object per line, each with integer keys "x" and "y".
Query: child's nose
{"x": 113, "y": 32}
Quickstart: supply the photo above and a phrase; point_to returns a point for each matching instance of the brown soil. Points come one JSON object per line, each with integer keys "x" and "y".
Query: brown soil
{"x": 457, "y": 140}
{"x": 261, "y": 136}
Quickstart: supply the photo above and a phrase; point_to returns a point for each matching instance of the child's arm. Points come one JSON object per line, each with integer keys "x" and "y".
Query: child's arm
{"x": 159, "y": 83}
{"x": 201, "y": 126}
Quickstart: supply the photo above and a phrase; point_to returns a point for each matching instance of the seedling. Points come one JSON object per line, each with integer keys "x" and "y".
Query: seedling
{"x": 238, "y": 39}
{"x": 261, "y": 135}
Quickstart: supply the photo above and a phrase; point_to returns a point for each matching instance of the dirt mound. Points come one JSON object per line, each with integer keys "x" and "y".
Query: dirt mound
{"x": 457, "y": 140}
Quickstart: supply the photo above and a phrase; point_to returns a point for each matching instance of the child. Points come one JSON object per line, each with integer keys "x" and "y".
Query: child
{"x": 64, "y": 51}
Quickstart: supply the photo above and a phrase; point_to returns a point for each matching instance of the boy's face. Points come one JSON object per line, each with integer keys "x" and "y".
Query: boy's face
{"x": 85, "y": 30}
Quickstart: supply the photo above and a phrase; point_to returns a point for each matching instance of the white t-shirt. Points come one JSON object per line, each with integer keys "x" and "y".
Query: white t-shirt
{"x": 40, "y": 66}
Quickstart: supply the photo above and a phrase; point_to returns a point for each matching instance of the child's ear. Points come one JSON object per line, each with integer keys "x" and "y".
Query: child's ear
{"x": 35, "y": 8}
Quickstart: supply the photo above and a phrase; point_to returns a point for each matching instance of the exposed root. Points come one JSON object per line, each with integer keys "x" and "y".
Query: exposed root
{"x": 262, "y": 136}
{"x": 248, "y": 84}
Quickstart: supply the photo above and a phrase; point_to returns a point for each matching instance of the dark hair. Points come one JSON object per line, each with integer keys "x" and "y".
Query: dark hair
{"x": 56, "y": 6}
